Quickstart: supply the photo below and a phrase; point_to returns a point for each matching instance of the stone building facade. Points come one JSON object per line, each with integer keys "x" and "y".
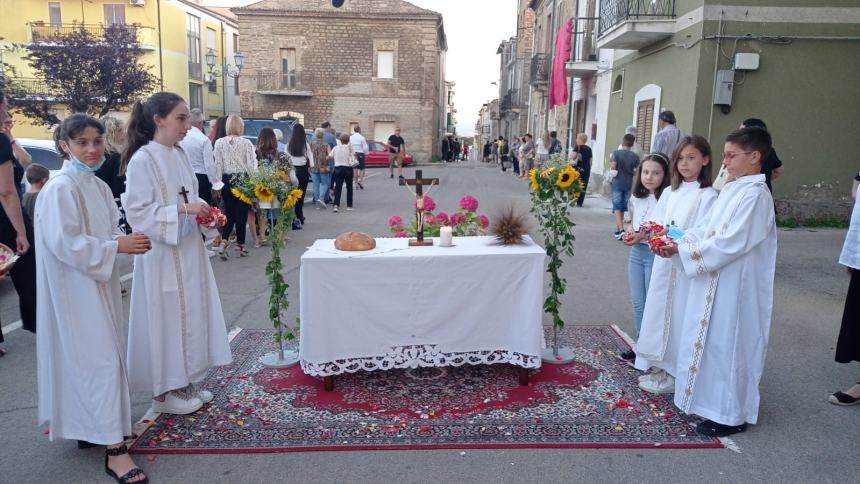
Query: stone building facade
{"x": 375, "y": 63}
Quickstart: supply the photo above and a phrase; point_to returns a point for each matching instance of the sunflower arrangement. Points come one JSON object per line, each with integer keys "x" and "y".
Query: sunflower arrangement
{"x": 554, "y": 188}
{"x": 271, "y": 184}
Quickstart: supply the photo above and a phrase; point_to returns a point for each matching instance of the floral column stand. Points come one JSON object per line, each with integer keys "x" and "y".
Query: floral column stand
{"x": 554, "y": 189}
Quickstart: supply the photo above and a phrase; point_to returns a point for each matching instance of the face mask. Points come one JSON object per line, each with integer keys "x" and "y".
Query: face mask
{"x": 80, "y": 165}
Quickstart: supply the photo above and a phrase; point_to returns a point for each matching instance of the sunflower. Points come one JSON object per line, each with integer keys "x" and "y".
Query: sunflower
{"x": 241, "y": 196}
{"x": 283, "y": 175}
{"x": 566, "y": 177}
{"x": 263, "y": 193}
{"x": 533, "y": 178}
{"x": 547, "y": 172}
{"x": 293, "y": 197}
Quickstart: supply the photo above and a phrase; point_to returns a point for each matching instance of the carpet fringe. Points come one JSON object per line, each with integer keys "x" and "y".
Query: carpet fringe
{"x": 623, "y": 335}
{"x": 731, "y": 444}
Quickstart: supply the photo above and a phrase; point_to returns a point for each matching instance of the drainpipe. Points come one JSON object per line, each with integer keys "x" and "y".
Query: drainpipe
{"x": 570, "y": 91}
{"x": 160, "y": 50}
{"x": 224, "y": 82}
{"x": 551, "y": 56}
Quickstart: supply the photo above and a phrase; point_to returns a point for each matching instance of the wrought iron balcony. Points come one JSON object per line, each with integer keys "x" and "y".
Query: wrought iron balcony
{"x": 47, "y": 33}
{"x": 539, "y": 70}
{"x": 584, "y": 52}
{"x": 278, "y": 83}
{"x": 633, "y": 24}
{"x": 30, "y": 88}
{"x": 511, "y": 102}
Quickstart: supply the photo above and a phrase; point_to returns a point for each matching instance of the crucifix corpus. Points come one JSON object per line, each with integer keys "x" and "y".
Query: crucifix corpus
{"x": 419, "y": 181}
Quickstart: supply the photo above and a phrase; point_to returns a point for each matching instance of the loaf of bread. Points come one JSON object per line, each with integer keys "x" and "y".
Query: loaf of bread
{"x": 354, "y": 241}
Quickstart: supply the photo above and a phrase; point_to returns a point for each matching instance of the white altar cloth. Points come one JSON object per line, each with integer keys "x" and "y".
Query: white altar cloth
{"x": 406, "y": 307}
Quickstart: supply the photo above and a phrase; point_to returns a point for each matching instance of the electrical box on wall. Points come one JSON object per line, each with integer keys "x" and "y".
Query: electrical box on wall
{"x": 746, "y": 62}
{"x": 723, "y": 89}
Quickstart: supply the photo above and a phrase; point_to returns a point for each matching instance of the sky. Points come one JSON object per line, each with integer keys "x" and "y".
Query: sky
{"x": 474, "y": 28}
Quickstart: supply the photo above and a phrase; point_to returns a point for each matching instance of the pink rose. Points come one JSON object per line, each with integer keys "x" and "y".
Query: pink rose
{"x": 429, "y": 204}
{"x": 485, "y": 222}
{"x": 442, "y": 218}
{"x": 395, "y": 220}
{"x": 457, "y": 219}
{"x": 401, "y": 234}
{"x": 429, "y": 219}
{"x": 469, "y": 203}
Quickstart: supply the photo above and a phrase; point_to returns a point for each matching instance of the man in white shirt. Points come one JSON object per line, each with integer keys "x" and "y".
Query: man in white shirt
{"x": 359, "y": 148}
{"x": 198, "y": 149}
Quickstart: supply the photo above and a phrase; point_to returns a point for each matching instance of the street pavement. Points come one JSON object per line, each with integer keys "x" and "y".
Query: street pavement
{"x": 800, "y": 438}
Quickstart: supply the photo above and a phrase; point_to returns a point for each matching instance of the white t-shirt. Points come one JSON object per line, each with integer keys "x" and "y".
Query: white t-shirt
{"x": 641, "y": 211}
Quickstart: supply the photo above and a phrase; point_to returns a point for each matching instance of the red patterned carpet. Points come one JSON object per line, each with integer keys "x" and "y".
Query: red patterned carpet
{"x": 592, "y": 402}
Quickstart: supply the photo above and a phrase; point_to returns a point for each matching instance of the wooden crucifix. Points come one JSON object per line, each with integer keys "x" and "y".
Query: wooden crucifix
{"x": 184, "y": 192}
{"x": 419, "y": 181}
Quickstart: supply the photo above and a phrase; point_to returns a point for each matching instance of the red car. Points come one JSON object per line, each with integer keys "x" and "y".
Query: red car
{"x": 378, "y": 155}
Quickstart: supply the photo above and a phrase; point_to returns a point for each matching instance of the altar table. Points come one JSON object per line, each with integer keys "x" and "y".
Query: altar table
{"x": 407, "y": 307}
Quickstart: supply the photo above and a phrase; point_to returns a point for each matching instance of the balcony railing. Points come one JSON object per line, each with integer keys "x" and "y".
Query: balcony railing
{"x": 539, "y": 70}
{"x": 46, "y": 33}
{"x": 585, "y": 39}
{"x": 195, "y": 71}
{"x": 511, "y": 101}
{"x": 28, "y": 88}
{"x": 614, "y": 12}
{"x": 283, "y": 83}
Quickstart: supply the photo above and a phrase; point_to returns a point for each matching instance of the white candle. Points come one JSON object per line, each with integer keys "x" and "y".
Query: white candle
{"x": 446, "y": 237}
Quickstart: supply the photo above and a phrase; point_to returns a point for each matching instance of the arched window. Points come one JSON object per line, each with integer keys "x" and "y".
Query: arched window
{"x": 618, "y": 83}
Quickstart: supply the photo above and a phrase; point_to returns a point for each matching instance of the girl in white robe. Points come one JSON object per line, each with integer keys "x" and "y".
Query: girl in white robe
{"x": 730, "y": 259}
{"x": 176, "y": 327}
{"x": 688, "y": 201}
{"x": 83, "y": 386}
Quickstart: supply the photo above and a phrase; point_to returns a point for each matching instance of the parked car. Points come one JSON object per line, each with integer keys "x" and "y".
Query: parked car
{"x": 44, "y": 152}
{"x": 378, "y": 155}
{"x": 254, "y": 125}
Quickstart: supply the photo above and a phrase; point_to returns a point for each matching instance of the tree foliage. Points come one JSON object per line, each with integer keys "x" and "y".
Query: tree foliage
{"x": 89, "y": 70}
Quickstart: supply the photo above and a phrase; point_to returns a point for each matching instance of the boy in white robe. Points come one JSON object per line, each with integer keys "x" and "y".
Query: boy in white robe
{"x": 176, "y": 326}
{"x": 83, "y": 386}
{"x": 730, "y": 257}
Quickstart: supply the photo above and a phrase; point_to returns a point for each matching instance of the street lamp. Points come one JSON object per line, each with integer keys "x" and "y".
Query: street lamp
{"x": 225, "y": 70}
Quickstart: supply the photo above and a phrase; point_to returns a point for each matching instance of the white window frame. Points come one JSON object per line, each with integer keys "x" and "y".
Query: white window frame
{"x": 381, "y": 71}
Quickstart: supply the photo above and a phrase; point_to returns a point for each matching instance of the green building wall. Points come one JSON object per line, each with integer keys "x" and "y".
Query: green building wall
{"x": 807, "y": 91}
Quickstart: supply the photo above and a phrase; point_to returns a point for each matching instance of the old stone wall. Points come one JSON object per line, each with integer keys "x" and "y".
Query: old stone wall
{"x": 335, "y": 57}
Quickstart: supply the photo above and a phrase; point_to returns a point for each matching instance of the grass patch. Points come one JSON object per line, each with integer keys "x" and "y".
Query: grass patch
{"x": 825, "y": 222}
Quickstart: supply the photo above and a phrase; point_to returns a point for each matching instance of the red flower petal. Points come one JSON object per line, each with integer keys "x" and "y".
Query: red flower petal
{"x": 425, "y": 428}
{"x": 151, "y": 458}
{"x": 46, "y": 430}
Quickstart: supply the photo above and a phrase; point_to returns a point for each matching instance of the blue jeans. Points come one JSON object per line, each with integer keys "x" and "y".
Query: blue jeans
{"x": 320, "y": 181}
{"x": 619, "y": 198}
{"x": 639, "y": 275}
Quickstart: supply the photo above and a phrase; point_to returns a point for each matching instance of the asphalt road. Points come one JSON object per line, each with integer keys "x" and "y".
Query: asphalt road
{"x": 800, "y": 437}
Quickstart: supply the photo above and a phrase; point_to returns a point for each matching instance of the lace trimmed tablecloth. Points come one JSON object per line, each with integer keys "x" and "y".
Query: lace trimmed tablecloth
{"x": 407, "y": 307}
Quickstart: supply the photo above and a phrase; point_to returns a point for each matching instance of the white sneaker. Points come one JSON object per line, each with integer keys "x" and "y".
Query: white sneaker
{"x": 659, "y": 387}
{"x": 210, "y": 253}
{"x": 177, "y": 402}
{"x": 349, "y": 209}
{"x": 334, "y": 209}
{"x": 205, "y": 396}
{"x": 654, "y": 375}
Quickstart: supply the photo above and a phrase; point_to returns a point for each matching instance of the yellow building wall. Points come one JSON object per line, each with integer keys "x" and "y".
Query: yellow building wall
{"x": 170, "y": 67}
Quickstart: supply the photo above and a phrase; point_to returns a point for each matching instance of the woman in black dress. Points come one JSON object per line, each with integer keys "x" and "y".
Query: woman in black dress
{"x": 848, "y": 345}
{"x": 16, "y": 230}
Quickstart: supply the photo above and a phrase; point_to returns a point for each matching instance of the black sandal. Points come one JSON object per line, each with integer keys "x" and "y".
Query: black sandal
{"x": 714, "y": 429}
{"x": 126, "y": 479}
{"x": 844, "y": 399}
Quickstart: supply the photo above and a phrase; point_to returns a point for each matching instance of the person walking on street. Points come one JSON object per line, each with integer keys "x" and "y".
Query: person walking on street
{"x": 198, "y": 149}
{"x": 622, "y": 166}
{"x": 359, "y": 148}
{"x": 300, "y": 155}
{"x": 583, "y": 164}
{"x": 342, "y": 154}
{"x": 320, "y": 172}
{"x": 396, "y": 149}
